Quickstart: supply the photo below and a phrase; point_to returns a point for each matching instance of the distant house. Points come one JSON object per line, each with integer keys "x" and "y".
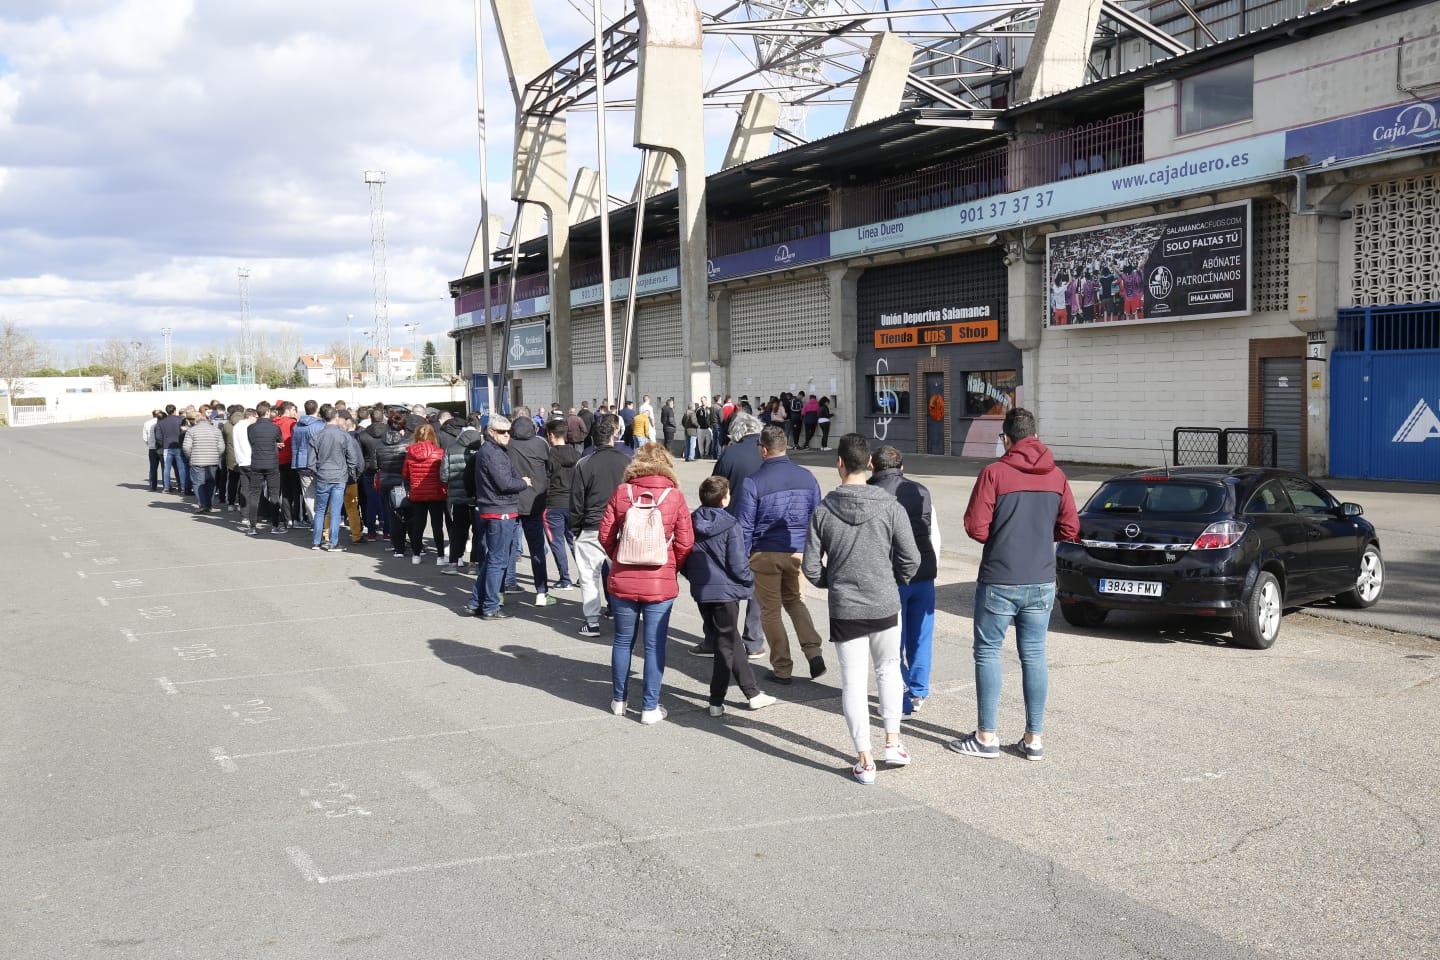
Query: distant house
{"x": 403, "y": 365}
{"x": 322, "y": 371}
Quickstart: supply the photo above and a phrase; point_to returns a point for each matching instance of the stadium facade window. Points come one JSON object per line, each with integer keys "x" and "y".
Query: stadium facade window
{"x": 990, "y": 393}
{"x": 1218, "y": 97}
{"x": 888, "y": 395}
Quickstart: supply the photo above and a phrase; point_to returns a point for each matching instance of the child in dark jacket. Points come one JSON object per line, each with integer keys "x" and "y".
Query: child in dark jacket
{"x": 719, "y": 574}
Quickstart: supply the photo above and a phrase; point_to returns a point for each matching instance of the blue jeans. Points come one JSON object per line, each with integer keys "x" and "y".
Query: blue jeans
{"x": 203, "y": 479}
{"x": 692, "y": 443}
{"x": 328, "y": 496}
{"x": 917, "y": 634}
{"x": 1028, "y": 606}
{"x": 531, "y": 538}
{"x": 557, "y": 535}
{"x": 494, "y": 539}
{"x": 656, "y": 617}
{"x": 175, "y": 457}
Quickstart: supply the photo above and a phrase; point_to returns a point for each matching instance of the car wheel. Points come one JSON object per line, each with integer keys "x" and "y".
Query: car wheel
{"x": 1370, "y": 583}
{"x": 1083, "y": 614}
{"x": 1259, "y": 624}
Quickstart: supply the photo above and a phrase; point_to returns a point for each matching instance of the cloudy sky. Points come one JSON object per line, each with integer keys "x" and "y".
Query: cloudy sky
{"x": 152, "y": 147}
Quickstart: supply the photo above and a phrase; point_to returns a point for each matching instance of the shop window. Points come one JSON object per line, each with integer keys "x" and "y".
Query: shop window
{"x": 1217, "y": 97}
{"x": 989, "y": 393}
{"x": 889, "y": 395}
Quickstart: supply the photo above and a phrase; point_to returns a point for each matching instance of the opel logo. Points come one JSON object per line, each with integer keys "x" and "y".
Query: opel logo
{"x": 1132, "y": 530}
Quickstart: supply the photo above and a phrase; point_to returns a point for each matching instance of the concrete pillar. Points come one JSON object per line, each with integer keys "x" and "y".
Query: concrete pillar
{"x": 584, "y": 196}
{"x": 657, "y": 176}
{"x": 1061, "y": 49}
{"x": 539, "y": 176}
{"x": 1025, "y": 312}
{"x": 1316, "y": 248}
{"x": 753, "y": 130}
{"x": 669, "y": 117}
{"x": 882, "y": 84}
{"x": 841, "y": 287}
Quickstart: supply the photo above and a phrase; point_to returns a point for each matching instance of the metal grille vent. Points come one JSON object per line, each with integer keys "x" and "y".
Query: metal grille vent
{"x": 1397, "y": 243}
{"x": 1271, "y": 272}
{"x": 785, "y": 316}
{"x": 959, "y": 279}
{"x": 587, "y": 336}
{"x": 658, "y": 329}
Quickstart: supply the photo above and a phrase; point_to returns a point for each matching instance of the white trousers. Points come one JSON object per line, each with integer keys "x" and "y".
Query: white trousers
{"x": 855, "y": 657}
{"x": 589, "y": 558}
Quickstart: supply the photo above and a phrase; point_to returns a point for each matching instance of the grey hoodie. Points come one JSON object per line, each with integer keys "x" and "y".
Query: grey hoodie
{"x": 857, "y": 534}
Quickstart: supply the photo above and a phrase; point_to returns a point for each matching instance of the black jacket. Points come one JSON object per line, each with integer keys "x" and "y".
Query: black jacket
{"x": 497, "y": 485}
{"x": 390, "y": 459}
{"x": 531, "y": 456}
{"x": 562, "y": 475}
{"x": 372, "y": 438}
{"x": 667, "y": 421}
{"x": 739, "y": 460}
{"x": 596, "y": 478}
{"x": 915, "y": 498}
{"x": 169, "y": 432}
{"x": 264, "y": 444}
{"x": 449, "y": 432}
{"x": 457, "y": 470}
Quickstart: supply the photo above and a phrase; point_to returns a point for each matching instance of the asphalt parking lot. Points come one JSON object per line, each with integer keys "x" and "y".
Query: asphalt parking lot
{"x": 217, "y": 746}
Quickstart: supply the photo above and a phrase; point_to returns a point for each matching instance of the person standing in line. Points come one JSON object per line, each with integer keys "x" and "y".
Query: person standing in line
{"x": 720, "y": 421}
{"x": 774, "y": 511}
{"x": 642, "y": 594}
{"x": 497, "y": 504}
{"x": 641, "y": 429}
{"x": 390, "y": 479}
{"x": 795, "y": 412}
{"x": 595, "y": 479}
{"x": 1020, "y": 508}
{"x": 289, "y": 481}
{"x": 169, "y": 434}
{"x": 352, "y": 481}
{"x": 917, "y": 596}
{"x": 668, "y": 425}
{"x": 372, "y": 437}
{"x": 855, "y": 534}
{"x": 239, "y": 448}
{"x": 331, "y": 459}
{"x": 300, "y": 444}
{"x": 264, "y": 440}
{"x": 720, "y": 577}
{"x": 740, "y": 459}
{"x": 427, "y": 493}
{"x": 531, "y": 456}
{"x": 234, "y": 415}
{"x": 576, "y": 430}
{"x": 560, "y": 475}
{"x": 204, "y": 448}
{"x": 704, "y": 434}
{"x": 459, "y": 474}
{"x": 687, "y": 423}
{"x": 147, "y": 437}
{"x": 823, "y": 420}
{"x": 810, "y": 413}
{"x": 627, "y": 417}
{"x": 647, "y": 408}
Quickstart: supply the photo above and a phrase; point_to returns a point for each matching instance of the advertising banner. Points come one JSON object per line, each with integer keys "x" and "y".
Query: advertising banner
{"x": 973, "y": 323}
{"x": 1186, "y": 266}
{"x": 1243, "y": 160}
{"x": 528, "y": 347}
{"x": 803, "y": 250}
{"x": 1409, "y": 124}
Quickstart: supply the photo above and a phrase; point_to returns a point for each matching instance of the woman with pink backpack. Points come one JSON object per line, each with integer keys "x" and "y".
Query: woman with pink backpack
{"x": 647, "y": 535}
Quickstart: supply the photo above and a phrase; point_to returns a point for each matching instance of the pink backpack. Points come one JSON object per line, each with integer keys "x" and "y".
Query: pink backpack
{"x": 642, "y": 540}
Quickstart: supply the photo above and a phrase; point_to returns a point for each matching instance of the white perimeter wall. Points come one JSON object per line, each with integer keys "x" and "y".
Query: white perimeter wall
{"x": 773, "y": 372}
{"x": 96, "y": 406}
{"x": 1114, "y": 395}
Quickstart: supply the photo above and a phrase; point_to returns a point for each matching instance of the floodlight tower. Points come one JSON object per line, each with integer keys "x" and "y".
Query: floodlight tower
{"x": 244, "y": 358}
{"x": 376, "y": 180}
{"x": 169, "y": 360}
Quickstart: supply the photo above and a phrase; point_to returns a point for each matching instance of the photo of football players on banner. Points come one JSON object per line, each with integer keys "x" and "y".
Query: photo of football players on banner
{"x": 1185, "y": 266}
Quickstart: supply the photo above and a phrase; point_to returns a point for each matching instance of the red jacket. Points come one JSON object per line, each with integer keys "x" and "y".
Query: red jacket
{"x": 422, "y": 472}
{"x": 647, "y": 584}
{"x": 1020, "y": 506}
{"x": 287, "y": 428}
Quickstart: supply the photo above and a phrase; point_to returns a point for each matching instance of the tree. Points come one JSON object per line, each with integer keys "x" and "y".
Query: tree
{"x": 19, "y": 354}
{"x": 429, "y": 363}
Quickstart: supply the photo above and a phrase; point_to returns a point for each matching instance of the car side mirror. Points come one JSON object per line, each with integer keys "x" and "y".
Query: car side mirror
{"x": 1351, "y": 510}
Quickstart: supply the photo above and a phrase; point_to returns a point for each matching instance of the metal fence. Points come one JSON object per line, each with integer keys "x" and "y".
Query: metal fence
{"x": 1232, "y": 446}
{"x": 770, "y": 228}
{"x": 1076, "y": 151}
{"x": 943, "y": 185}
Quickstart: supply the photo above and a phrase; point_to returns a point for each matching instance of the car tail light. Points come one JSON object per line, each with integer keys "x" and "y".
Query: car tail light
{"x": 1218, "y": 536}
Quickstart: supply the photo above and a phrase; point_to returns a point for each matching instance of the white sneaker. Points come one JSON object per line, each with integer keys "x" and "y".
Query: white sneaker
{"x": 896, "y": 755}
{"x": 543, "y": 600}
{"x": 718, "y": 711}
{"x": 461, "y": 568}
{"x": 761, "y": 700}
{"x": 654, "y": 716}
{"x": 415, "y": 560}
{"x": 441, "y": 562}
{"x": 617, "y": 707}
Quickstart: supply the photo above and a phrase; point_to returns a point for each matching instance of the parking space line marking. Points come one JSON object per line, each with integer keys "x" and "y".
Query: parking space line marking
{"x": 304, "y": 864}
{"x": 326, "y": 699}
{"x": 103, "y": 601}
{"x": 257, "y": 586}
{"x": 411, "y": 738}
{"x": 271, "y": 623}
{"x": 226, "y": 762}
{"x": 622, "y": 842}
{"x": 129, "y": 635}
{"x": 343, "y": 666}
{"x": 166, "y": 685}
{"x": 217, "y": 563}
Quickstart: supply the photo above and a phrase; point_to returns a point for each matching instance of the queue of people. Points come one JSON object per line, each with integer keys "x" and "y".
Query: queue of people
{"x": 617, "y": 526}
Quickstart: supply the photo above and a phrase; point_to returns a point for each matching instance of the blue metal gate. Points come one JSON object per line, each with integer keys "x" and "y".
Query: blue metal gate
{"x": 1385, "y": 394}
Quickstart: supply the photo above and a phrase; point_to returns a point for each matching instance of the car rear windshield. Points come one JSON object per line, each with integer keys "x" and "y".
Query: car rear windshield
{"x": 1145, "y": 495}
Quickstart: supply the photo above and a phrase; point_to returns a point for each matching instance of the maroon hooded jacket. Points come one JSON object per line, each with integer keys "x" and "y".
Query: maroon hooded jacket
{"x": 1020, "y": 507}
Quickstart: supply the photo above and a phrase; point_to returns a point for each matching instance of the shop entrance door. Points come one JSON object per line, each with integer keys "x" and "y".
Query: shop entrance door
{"x": 935, "y": 413}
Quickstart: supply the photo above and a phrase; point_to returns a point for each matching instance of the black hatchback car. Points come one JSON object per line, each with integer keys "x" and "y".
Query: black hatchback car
{"x": 1240, "y": 543}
